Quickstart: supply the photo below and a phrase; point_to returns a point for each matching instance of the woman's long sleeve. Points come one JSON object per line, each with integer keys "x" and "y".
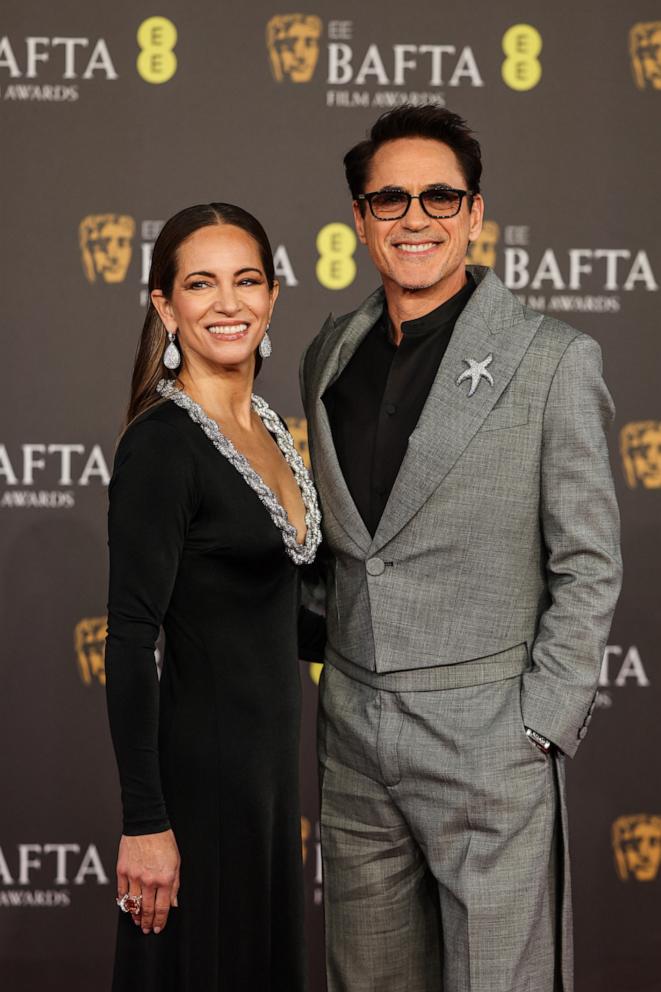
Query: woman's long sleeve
{"x": 311, "y": 635}
{"x": 312, "y": 608}
{"x": 152, "y": 499}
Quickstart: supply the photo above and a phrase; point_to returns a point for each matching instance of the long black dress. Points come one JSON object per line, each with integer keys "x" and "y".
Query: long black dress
{"x": 211, "y": 751}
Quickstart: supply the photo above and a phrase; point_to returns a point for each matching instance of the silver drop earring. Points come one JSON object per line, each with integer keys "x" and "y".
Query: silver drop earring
{"x": 265, "y": 346}
{"x": 171, "y": 356}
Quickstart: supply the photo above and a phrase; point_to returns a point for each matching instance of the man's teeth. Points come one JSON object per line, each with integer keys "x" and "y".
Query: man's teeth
{"x": 413, "y": 248}
{"x": 228, "y": 331}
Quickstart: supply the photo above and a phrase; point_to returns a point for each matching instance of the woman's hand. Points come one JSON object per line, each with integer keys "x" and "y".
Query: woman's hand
{"x": 148, "y": 865}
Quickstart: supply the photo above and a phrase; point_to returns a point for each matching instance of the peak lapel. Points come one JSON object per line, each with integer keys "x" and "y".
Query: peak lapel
{"x": 342, "y": 343}
{"x": 493, "y": 323}
{"x": 344, "y": 339}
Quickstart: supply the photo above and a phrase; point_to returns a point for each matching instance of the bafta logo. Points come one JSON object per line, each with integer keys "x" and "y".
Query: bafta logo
{"x": 89, "y": 640}
{"x": 298, "y": 428}
{"x": 306, "y": 831}
{"x": 645, "y": 51}
{"x": 293, "y": 45}
{"x": 640, "y": 447}
{"x": 105, "y": 246}
{"x": 482, "y": 251}
{"x": 637, "y": 846}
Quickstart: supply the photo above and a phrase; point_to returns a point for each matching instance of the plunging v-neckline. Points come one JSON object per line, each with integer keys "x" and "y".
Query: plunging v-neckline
{"x": 277, "y": 496}
{"x": 300, "y": 552}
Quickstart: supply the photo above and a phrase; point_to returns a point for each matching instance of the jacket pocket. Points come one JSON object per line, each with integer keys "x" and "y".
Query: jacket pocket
{"x": 512, "y": 415}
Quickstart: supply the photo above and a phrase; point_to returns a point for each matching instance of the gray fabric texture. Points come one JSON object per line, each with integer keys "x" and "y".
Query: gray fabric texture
{"x": 497, "y": 561}
{"x": 443, "y": 842}
{"x": 514, "y": 661}
{"x": 502, "y": 526}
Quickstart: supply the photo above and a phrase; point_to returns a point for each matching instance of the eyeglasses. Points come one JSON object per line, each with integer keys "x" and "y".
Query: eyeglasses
{"x": 439, "y": 202}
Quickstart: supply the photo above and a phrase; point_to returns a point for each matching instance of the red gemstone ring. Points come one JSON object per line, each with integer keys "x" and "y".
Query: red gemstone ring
{"x": 130, "y": 904}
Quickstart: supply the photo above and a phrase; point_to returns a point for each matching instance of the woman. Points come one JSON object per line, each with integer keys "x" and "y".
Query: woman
{"x": 211, "y": 512}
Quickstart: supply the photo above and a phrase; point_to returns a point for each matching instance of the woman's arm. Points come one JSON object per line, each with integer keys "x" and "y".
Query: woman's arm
{"x": 153, "y": 495}
{"x": 312, "y": 609}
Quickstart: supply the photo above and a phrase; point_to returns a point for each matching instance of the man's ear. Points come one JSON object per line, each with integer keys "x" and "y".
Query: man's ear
{"x": 359, "y": 222}
{"x": 476, "y": 217}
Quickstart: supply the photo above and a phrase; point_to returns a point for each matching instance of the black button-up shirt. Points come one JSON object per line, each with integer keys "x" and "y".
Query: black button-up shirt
{"x": 374, "y": 405}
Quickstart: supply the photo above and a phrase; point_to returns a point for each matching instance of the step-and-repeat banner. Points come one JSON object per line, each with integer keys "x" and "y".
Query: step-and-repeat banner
{"x": 115, "y": 115}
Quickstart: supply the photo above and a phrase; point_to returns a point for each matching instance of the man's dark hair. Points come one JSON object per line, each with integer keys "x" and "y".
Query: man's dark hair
{"x": 406, "y": 121}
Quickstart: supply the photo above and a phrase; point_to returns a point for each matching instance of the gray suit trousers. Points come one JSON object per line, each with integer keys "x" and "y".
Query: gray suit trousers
{"x": 443, "y": 839}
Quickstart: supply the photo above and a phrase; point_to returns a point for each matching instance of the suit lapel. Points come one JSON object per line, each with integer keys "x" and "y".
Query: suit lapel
{"x": 343, "y": 341}
{"x": 342, "y": 344}
{"x": 493, "y": 323}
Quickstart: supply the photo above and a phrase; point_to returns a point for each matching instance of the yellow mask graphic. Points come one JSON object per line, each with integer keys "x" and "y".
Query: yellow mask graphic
{"x": 637, "y": 846}
{"x": 298, "y": 428}
{"x": 306, "y": 831}
{"x": 640, "y": 447}
{"x": 89, "y": 640}
{"x": 482, "y": 251}
{"x": 105, "y": 246}
{"x": 292, "y": 41}
{"x": 645, "y": 51}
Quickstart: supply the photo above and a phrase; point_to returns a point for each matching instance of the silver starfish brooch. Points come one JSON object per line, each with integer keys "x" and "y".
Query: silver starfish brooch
{"x": 475, "y": 372}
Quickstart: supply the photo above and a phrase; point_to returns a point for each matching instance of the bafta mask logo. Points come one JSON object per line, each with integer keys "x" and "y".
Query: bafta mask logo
{"x": 105, "y": 246}
{"x": 298, "y": 428}
{"x": 293, "y": 45}
{"x": 637, "y": 846}
{"x": 306, "y": 831}
{"x": 640, "y": 447}
{"x": 483, "y": 250}
{"x": 89, "y": 640}
{"x": 645, "y": 51}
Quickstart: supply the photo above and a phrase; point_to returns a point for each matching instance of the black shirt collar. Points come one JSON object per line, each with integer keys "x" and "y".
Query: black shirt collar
{"x": 438, "y": 318}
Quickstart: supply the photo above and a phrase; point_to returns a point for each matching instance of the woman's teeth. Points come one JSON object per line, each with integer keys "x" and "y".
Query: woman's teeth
{"x": 228, "y": 331}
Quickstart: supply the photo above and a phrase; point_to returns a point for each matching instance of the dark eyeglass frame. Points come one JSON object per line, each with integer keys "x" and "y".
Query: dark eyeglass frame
{"x": 368, "y": 197}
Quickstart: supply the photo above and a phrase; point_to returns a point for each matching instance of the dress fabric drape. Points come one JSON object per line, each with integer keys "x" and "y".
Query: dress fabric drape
{"x": 212, "y": 749}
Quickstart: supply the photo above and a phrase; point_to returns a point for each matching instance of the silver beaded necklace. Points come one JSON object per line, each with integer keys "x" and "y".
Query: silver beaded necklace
{"x": 301, "y": 554}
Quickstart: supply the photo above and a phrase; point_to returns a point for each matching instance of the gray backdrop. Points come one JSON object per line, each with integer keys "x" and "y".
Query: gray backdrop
{"x": 106, "y": 131}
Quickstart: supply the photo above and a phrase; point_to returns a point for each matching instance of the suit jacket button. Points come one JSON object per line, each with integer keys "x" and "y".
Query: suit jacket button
{"x": 582, "y": 733}
{"x": 375, "y": 566}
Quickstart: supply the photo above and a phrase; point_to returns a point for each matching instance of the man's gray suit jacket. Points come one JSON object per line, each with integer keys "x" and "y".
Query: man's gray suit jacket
{"x": 501, "y": 531}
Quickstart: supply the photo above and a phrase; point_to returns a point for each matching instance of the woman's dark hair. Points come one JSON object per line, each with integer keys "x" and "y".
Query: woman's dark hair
{"x": 148, "y": 367}
{"x": 406, "y": 121}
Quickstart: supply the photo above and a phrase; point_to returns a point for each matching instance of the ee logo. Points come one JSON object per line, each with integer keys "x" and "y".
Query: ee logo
{"x": 157, "y": 62}
{"x": 522, "y": 69}
{"x": 336, "y": 266}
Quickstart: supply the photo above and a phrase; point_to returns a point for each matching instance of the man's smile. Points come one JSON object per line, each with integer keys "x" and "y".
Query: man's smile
{"x": 417, "y": 247}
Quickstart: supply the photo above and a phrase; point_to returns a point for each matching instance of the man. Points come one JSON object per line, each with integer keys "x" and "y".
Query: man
{"x": 457, "y": 440}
